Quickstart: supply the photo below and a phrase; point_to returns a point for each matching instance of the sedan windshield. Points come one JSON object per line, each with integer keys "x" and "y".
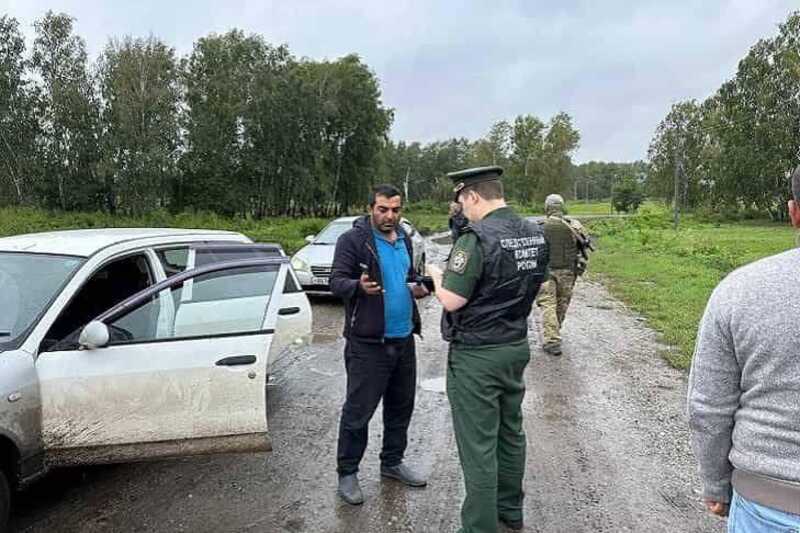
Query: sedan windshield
{"x": 332, "y": 232}
{"x": 28, "y": 283}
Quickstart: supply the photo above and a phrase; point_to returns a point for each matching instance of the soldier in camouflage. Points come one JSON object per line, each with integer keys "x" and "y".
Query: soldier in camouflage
{"x": 566, "y": 263}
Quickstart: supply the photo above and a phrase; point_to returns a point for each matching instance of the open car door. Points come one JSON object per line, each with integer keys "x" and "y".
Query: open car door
{"x": 294, "y": 316}
{"x": 182, "y": 370}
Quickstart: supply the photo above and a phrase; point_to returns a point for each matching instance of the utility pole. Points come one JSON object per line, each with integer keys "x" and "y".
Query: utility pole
{"x": 611, "y": 203}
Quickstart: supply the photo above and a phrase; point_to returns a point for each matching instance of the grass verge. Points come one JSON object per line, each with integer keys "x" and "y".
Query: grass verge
{"x": 668, "y": 275}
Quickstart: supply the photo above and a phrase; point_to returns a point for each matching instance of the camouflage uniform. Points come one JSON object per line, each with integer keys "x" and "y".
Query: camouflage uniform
{"x": 553, "y": 299}
{"x": 556, "y": 293}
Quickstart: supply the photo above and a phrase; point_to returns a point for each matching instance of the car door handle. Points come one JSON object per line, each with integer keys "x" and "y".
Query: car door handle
{"x": 236, "y": 360}
{"x": 289, "y": 311}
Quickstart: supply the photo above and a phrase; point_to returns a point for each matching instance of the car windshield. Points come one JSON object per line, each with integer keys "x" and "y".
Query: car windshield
{"x": 28, "y": 283}
{"x": 332, "y": 232}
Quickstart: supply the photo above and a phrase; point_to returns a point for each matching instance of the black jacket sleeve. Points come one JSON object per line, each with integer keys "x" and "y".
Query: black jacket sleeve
{"x": 346, "y": 272}
{"x": 413, "y": 275}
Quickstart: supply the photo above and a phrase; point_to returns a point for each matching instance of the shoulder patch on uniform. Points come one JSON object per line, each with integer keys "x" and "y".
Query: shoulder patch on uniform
{"x": 458, "y": 263}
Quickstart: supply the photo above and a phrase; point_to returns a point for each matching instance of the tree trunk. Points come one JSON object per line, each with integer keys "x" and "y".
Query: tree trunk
{"x": 14, "y": 175}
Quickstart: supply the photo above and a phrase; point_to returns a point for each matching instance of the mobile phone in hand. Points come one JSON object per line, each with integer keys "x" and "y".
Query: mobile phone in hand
{"x": 427, "y": 282}
{"x": 364, "y": 270}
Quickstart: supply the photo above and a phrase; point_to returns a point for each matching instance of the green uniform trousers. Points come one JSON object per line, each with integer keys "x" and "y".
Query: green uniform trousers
{"x": 553, "y": 298}
{"x": 485, "y": 386}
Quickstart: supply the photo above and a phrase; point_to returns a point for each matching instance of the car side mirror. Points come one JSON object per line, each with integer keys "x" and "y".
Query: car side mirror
{"x": 310, "y": 238}
{"x": 95, "y": 335}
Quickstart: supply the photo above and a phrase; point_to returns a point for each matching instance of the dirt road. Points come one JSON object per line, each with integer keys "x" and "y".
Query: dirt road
{"x": 607, "y": 448}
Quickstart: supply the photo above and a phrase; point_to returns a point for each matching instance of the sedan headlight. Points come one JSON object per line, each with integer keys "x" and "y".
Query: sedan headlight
{"x": 299, "y": 264}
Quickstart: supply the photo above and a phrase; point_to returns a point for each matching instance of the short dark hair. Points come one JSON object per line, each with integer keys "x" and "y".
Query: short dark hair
{"x": 385, "y": 190}
{"x": 488, "y": 190}
{"x": 796, "y": 184}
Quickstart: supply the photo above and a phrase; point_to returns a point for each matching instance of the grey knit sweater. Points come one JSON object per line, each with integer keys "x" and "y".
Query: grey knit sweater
{"x": 744, "y": 386}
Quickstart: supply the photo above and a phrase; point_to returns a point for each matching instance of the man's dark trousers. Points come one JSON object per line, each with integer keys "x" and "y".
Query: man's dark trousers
{"x": 385, "y": 370}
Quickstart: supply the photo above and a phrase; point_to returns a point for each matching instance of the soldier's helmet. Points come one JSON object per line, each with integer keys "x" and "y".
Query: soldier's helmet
{"x": 554, "y": 203}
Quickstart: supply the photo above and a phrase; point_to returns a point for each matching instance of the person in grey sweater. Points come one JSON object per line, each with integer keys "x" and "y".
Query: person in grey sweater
{"x": 744, "y": 393}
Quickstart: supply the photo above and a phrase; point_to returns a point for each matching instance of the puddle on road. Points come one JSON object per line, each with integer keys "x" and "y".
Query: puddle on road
{"x": 434, "y": 385}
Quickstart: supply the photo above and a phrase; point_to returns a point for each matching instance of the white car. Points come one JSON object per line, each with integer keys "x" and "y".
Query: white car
{"x": 313, "y": 262}
{"x": 127, "y": 344}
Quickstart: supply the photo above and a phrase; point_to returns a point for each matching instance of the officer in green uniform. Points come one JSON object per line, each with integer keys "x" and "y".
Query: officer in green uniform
{"x": 493, "y": 275}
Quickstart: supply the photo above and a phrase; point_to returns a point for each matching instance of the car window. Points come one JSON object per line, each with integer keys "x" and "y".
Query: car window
{"x": 28, "y": 284}
{"x": 113, "y": 283}
{"x": 221, "y": 303}
{"x": 207, "y": 255}
{"x": 332, "y": 232}
{"x": 291, "y": 286}
{"x": 174, "y": 260}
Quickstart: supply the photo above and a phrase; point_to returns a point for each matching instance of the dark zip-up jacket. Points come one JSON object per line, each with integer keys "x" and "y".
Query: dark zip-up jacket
{"x": 364, "y": 315}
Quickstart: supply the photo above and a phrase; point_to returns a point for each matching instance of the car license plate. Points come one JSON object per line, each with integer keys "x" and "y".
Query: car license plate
{"x": 319, "y": 281}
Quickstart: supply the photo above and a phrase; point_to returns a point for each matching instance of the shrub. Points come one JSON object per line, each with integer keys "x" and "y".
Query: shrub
{"x": 628, "y": 196}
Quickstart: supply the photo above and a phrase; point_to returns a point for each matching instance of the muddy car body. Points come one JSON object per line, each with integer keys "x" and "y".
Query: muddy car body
{"x": 120, "y": 345}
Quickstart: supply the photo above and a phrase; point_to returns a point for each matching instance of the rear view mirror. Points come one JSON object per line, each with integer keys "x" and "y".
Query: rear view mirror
{"x": 310, "y": 238}
{"x": 95, "y": 335}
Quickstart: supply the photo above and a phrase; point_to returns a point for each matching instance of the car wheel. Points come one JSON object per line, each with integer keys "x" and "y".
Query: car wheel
{"x": 5, "y": 500}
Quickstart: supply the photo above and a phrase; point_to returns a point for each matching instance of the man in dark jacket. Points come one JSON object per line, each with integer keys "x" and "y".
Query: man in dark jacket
{"x": 373, "y": 273}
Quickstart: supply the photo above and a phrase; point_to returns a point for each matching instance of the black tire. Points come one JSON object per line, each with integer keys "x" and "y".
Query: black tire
{"x": 5, "y": 501}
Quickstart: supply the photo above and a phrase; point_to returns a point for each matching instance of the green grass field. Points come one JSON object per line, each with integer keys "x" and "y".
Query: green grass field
{"x": 599, "y": 208}
{"x": 668, "y": 276}
{"x": 431, "y": 219}
{"x": 591, "y": 208}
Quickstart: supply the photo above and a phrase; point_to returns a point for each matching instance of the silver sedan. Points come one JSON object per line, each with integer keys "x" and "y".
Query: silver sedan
{"x": 312, "y": 263}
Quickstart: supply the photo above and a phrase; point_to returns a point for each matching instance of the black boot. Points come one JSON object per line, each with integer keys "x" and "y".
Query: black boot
{"x": 515, "y": 525}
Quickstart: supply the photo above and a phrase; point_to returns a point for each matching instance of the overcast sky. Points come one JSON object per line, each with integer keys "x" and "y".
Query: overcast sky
{"x": 452, "y": 68}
